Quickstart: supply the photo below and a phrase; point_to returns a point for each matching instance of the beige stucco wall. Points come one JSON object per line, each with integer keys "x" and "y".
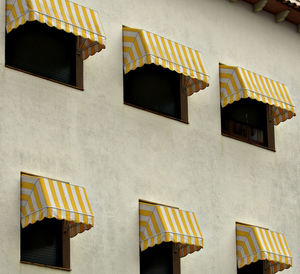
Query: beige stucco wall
{"x": 121, "y": 154}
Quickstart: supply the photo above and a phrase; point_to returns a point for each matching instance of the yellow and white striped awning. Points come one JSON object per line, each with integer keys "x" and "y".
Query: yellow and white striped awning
{"x": 46, "y": 198}
{"x": 142, "y": 47}
{"x": 255, "y": 243}
{"x": 62, "y": 14}
{"x": 237, "y": 83}
{"x": 168, "y": 224}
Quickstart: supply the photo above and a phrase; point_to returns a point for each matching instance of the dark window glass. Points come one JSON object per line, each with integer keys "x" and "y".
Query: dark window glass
{"x": 154, "y": 88}
{"x": 41, "y": 242}
{"x": 157, "y": 259}
{"x": 247, "y": 120}
{"x": 253, "y": 268}
{"x": 42, "y": 50}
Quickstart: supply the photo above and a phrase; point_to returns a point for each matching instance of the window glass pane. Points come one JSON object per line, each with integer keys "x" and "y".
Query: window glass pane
{"x": 253, "y": 268}
{"x": 41, "y": 242}
{"x": 157, "y": 259}
{"x": 154, "y": 88}
{"x": 46, "y": 51}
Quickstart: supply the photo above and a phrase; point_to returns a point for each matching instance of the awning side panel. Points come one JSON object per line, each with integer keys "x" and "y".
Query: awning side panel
{"x": 237, "y": 83}
{"x": 164, "y": 224}
{"x": 61, "y": 14}
{"x": 255, "y": 243}
{"x": 46, "y": 198}
{"x": 142, "y": 47}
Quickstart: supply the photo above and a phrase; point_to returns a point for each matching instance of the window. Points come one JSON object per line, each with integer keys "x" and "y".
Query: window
{"x": 47, "y": 243}
{"x": 257, "y": 268}
{"x": 156, "y": 89}
{"x": 160, "y": 259}
{"x": 45, "y": 51}
{"x": 249, "y": 121}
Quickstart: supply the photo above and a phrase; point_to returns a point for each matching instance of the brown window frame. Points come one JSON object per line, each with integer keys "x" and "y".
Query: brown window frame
{"x": 79, "y": 68}
{"x": 270, "y": 136}
{"x": 65, "y": 251}
{"x": 183, "y": 104}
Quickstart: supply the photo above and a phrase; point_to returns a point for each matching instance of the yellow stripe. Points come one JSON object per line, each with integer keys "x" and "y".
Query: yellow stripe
{"x": 265, "y": 89}
{"x": 277, "y": 95}
{"x": 181, "y": 59}
{"x": 154, "y": 222}
{"x": 45, "y": 192}
{"x": 71, "y": 15}
{"x": 20, "y": 7}
{"x": 178, "y": 225}
{"x": 87, "y": 20}
{"x": 174, "y": 56}
{"x": 151, "y": 43}
{"x": 160, "y": 50}
{"x": 45, "y": 5}
{"x": 167, "y": 53}
{"x": 80, "y": 20}
{"x": 27, "y": 185}
{"x": 161, "y": 217}
{"x": 53, "y": 7}
{"x": 64, "y": 200}
{"x": 37, "y": 198}
{"x": 77, "y": 190}
{"x": 88, "y": 202}
{"x": 188, "y": 61}
{"x": 62, "y": 11}
{"x": 95, "y": 22}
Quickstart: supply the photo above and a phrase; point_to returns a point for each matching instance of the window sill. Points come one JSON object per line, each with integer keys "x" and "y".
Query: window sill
{"x": 246, "y": 141}
{"x": 157, "y": 113}
{"x": 43, "y": 77}
{"x": 45, "y": 265}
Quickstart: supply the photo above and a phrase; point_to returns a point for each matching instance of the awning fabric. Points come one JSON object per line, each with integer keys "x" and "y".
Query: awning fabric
{"x": 62, "y": 14}
{"x": 46, "y": 198}
{"x": 256, "y": 243}
{"x": 237, "y": 83}
{"x": 168, "y": 224}
{"x": 142, "y": 47}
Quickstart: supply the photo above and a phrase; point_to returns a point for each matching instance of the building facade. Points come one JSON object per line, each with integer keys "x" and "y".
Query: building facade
{"x": 123, "y": 154}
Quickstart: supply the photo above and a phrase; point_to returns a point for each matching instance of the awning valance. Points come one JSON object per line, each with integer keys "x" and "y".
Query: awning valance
{"x": 168, "y": 224}
{"x": 237, "y": 83}
{"x": 62, "y": 14}
{"x": 255, "y": 243}
{"x": 142, "y": 47}
{"x": 46, "y": 198}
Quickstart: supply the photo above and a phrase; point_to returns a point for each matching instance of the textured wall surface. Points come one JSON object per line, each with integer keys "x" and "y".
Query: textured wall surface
{"x": 122, "y": 154}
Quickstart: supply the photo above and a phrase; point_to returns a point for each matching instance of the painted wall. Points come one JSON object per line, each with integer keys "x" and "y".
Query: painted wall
{"x": 121, "y": 154}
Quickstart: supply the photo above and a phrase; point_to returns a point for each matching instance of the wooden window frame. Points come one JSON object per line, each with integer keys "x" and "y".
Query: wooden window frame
{"x": 66, "y": 264}
{"x": 183, "y": 104}
{"x": 176, "y": 258}
{"x": 269, "y": 131}
{"x": 78, "y": 68}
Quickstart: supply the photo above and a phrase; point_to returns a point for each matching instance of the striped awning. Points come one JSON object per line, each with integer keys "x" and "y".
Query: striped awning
{"x": 168, "y": 224}
{"x": 142, "y": 47}
{"x": 46, "y": 198}
{"x": 62, "y": 14}
{"x": 237, "y": 83}
{"x": 255, "y": 243}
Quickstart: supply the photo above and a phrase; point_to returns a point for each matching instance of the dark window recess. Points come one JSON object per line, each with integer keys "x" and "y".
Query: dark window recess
{"x": 160, "y": 259}
{"x": 156, "y": 89}
{"x": 253, "y": 268}
{"x": 46, "y": 243}
{"x": 44, "y": 51}
{"x": 249, "y": 121}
